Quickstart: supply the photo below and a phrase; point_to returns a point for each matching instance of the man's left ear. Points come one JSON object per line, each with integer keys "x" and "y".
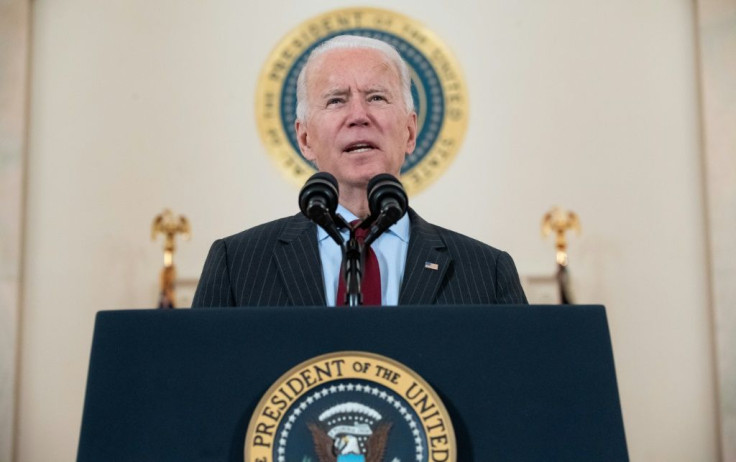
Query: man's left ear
{"x": 411, "y": 141}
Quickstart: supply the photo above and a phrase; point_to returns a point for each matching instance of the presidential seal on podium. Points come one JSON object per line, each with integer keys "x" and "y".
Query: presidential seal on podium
{"x": 350, "y": 407}
{"x": 438, "y": 89}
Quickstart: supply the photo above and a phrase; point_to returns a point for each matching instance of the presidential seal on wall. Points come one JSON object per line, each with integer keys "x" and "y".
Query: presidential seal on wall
{"x": 438, "y": 89}
{"x": 350, "y": 407}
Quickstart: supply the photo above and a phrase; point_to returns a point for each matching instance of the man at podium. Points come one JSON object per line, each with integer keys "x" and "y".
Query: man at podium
{"x": 355, "y": 120}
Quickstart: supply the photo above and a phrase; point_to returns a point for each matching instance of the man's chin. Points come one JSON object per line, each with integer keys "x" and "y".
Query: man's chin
{"x": 362, "y": 180}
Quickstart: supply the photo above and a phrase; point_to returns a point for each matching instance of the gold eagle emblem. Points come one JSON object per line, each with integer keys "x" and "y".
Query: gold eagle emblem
{"x": 330, "y": 450}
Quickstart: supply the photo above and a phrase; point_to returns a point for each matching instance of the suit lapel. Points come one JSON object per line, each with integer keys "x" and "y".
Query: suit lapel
{"x": 427, "y": 263}
{"x": 298, "y": 260}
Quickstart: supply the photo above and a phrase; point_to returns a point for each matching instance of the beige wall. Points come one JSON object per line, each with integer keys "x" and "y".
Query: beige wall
{"x": 717, "y": 45}
{"x": 14, "y": 32}
{"x": 591, "y": 105}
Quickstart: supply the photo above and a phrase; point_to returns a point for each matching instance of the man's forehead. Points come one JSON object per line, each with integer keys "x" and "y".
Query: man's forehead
{"x": 335, "y": 68}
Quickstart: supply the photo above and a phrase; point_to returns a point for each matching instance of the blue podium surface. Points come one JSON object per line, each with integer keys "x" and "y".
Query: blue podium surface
{"x": 521, "y": 383}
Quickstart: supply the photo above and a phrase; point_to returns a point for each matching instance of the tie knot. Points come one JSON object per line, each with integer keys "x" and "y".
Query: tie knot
{"x": 360, "y": 233}
{"x": 371, "y": 278}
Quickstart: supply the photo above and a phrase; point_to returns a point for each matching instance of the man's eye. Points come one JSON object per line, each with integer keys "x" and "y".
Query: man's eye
{"x": 332, "y": 101}
{"x": 377, "y": 98}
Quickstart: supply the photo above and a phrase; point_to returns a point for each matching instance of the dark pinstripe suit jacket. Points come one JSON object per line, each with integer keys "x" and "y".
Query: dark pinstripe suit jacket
{"x": 278, "y": 263}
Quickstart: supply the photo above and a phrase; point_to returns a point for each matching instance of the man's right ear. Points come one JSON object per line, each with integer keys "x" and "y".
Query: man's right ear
{"x": 303, "y": 139}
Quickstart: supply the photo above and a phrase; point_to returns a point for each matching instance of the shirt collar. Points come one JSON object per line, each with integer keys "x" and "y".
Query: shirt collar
{"x": 400, "y": 229}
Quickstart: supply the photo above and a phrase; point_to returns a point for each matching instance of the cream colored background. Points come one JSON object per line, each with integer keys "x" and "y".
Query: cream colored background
{"x": 717, "y": 25}
{"x": 594, "y": 105}
{"x": 14, "y": 47}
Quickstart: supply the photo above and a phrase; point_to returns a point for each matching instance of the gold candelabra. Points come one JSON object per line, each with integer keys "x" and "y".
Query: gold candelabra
{"x": 559, "y": 221}
{"x": 169, "y": 225}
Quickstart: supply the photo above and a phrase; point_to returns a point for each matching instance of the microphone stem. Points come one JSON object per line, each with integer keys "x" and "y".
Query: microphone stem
{"x": 384, "y": 221}
{"x": 353, "y": 272}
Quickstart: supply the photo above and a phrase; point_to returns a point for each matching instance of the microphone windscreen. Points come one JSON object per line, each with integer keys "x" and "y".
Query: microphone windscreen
{"x": 382, "y": 177}
{"x": 324, "y": 176}
{"x": 384, "y": 189}
{"x": 321, "y": 186}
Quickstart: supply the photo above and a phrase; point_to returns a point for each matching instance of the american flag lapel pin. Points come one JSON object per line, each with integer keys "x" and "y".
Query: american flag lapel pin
{"x": 430, "y": 265}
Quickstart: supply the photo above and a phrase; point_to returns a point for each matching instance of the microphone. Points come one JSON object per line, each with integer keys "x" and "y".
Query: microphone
{"x": 318, "y": 202}
{"x": 387, "y": 202}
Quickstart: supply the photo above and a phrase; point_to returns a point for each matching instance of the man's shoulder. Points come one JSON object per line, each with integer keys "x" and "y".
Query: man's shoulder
{"x": 285, "y": 228}
{"x": 453, "y": 240}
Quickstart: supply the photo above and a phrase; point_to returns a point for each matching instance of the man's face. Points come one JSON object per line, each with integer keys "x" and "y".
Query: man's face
{"x": 357, "y": 125}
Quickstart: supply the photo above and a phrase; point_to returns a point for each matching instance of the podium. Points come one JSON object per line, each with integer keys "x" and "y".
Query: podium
{"x": 520, "y": 383}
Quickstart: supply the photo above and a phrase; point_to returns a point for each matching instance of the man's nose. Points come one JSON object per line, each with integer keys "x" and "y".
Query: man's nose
{"x": 358, "y": 112}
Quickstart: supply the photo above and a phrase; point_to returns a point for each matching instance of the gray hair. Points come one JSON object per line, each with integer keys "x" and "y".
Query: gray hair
{"x": 356, "y": 42}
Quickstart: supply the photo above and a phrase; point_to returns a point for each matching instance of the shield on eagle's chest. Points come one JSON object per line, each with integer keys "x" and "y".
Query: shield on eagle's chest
{"x": 351, "y": 458}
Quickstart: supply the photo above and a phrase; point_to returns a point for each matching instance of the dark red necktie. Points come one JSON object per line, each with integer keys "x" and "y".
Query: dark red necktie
{"x": 371, "y": 283}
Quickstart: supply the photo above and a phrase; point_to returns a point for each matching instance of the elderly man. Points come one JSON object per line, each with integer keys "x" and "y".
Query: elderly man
{"x": 355, "y": 119}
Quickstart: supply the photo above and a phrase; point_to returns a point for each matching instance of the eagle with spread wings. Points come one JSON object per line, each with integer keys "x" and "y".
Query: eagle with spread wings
{"x": 329, "y": 450}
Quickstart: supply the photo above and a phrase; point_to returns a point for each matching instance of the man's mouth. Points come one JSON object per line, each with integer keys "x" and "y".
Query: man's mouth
{"x": 359, "y": 147}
